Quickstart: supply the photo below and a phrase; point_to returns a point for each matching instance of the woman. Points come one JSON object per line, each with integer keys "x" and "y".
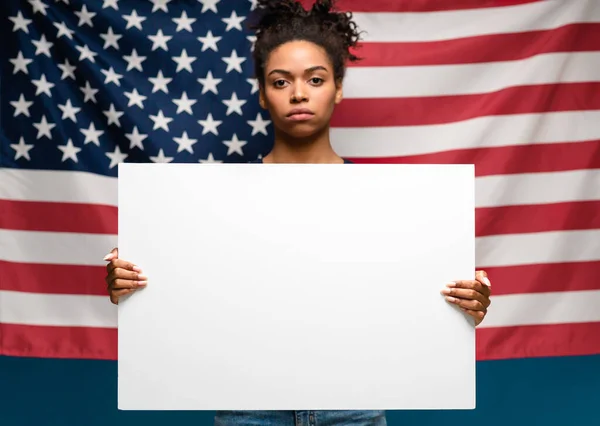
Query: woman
{"x": 300, "y": 61}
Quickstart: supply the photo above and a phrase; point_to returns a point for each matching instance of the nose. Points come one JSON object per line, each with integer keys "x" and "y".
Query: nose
{"x": 298, "y": 95}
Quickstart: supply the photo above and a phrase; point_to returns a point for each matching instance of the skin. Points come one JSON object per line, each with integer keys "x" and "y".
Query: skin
{"x": 299, "y": 74}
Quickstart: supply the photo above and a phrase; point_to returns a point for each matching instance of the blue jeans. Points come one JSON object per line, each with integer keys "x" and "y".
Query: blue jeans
{"x": 300, "y": 418}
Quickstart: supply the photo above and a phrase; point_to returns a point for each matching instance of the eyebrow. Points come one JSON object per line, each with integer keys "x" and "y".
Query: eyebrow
{"x": 306, "y": 71}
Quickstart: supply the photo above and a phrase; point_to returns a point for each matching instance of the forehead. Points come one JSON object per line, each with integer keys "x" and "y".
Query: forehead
{"x": 297, "y": 56}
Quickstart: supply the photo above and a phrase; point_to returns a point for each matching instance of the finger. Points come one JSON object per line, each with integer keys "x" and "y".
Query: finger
{"x": 470, "y": 284}
{"x": 467, "y": 294}
{"x": 122, "y": 284}
{"x": 116, "y": 295}
{"x": 122, "y": 264}
{"x": 474, "y": 305}
{"x": 482, "y": 277}
{"x": 478, "y": 315}
{"x": 114, "y": 254}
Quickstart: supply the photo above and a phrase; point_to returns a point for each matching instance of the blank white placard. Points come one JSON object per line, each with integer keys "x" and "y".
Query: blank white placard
{"x": 296, "y": 287}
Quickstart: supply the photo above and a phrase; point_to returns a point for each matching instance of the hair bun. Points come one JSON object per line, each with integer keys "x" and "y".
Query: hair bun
{"x": 273, "y": 12}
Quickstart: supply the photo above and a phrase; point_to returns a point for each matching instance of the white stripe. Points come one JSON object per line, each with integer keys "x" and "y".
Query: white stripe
{"x": 42, "y": 185}
{"x": 543, "y": 308}
{"x": 57, "y": 309}
{"x": 431, "y": 26}
{"x": 537, "y": 248}
{"x": 481, "y": 132}
{"x": 537, "y": 188}
{"x": 55, "y": 247}
{"x": 497, "y": 250}
{"x": 467, "y": 79}
{"x": 97, "y": 311}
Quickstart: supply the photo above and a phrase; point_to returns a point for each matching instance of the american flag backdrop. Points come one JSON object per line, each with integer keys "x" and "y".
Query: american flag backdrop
{"x": 512, "y": 86}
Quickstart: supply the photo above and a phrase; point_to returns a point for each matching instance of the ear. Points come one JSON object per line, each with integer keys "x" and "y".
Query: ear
{"x": 339, "y": 92}
{"x": 262, "y": 99}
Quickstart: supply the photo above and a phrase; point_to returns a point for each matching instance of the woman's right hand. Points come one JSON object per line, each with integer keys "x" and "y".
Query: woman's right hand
{"x": 122, "y": 277}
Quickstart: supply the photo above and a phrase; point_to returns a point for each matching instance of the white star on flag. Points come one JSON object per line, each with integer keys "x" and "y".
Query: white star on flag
{"x": 67, "y": 69}
{"x": 160, "y": 121}
{"x": 20, "y": 63}
{"x": 86, "y": 53}
{"x": 136, "y": 138}
{"x": 209, "y": 5}
{"x": 209, "y": 83}
{"x": 134, "y": 20}
{"x": 185, "y": 143}
{"x": 184, "y": 104}
{"x": 259, "y": 125}
{"x": 160, "y": 158}
{"x": 234, "y": 62}
{"x": 69, "y": 151}
{"x": 63, "y": 30}
{"x": 89, "y": 92}
{"x": 116, "y": 157}
{"x": 85, "y": 17}
{"x": 22, "y": 149}
{"x": 209, "y": 41}
{"x": 184, "y": 23}
{"x": 111, "y": 39}
{"x": 44, "y": 128}
{"x": 134, "y": 61}
{"x": 184, "y": 62}
{"x": 234, "y": 21}
{"x": 21, "y": 106}
{"x": 112, "y": 76}
{"x": 92, "y": 135}
{"x": 113, "y": 115}
{"x": 235, "y": 145}
{"x": 69, "y": 111}
{"x": 160, "y": 83}
{"x": 42, "y": 46}
{"x": 234, "y": 104}
{"x": 43, "y": 86}
{"x": 160, "y": 41}
{"x": 210, "y": 125}
{"x": 20, "y": 23}
{"x": 135, "y": 98}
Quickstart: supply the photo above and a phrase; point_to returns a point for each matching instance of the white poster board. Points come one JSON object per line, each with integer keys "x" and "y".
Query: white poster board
{"x": 291, "y": 287}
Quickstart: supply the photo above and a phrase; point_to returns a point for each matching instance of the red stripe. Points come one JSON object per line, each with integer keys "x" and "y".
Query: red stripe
{"x": 58, "y": 217}
{"x": 538, "y": 341}
{"x": 509, "y": 159}
{"x": 492, "y": 343}
{"x": 418, "y": 111}
{"x": 580, "y": 37}
{"x": 89, "y": 280}
{"x": 58, "y": 342}
{"x": 544, "y": 278}
{"x": 418, "y": 5}
{"x": 53, "y": 279}
{"x": 537, "y": 218}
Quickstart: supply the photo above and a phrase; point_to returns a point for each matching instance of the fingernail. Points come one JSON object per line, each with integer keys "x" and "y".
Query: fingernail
{"x": 445, "y": 291}
{"x": 451, "y": 284}
{"x": 142, "y": 278}
{"x": 137, "y": 269}
{"x": 142, "y": 283}
{"x": 450, "y": 299}
{"x": 108, "y": 256}
{"x": 486, "y": 281}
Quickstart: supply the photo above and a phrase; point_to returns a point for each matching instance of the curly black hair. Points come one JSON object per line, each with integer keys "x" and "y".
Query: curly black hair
{"x": 278, "y": 21}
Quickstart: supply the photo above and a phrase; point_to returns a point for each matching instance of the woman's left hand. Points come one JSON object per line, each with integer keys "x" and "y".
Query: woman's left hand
{"x": 472, "y": 296}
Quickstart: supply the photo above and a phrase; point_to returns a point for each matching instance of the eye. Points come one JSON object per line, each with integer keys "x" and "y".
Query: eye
{"x": 316, "y": 80}
{"x": 279, "y": 83}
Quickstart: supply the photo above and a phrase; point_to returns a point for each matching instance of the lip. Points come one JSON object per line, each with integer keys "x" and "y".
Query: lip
{"x": 300, "y": 114}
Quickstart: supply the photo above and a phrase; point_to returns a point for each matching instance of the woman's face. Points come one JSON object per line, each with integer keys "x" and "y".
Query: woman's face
{"x": 300, "y": 89}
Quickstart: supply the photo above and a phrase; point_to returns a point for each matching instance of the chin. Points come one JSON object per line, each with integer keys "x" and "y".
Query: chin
{"x": 303, "y": 131}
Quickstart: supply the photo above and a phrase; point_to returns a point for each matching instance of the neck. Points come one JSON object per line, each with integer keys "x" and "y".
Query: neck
{"x": 315, "y": 149}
